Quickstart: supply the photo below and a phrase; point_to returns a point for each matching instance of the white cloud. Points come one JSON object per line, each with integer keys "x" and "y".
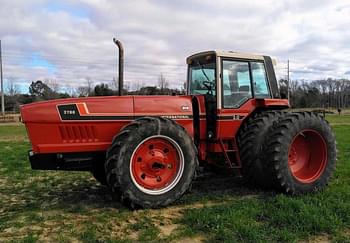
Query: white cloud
{"x": 76, "y": 36}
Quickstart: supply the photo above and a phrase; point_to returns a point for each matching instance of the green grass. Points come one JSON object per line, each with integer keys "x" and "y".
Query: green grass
{"x": 280, "y": 217}
{"x": 338, "y": 120}
{"x": 13, "y": 132}
{"x": 16, "y": 129}
{"x": 51, "y": 206}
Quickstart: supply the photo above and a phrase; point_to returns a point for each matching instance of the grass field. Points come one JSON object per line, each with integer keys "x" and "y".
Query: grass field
{"x": 50, "y": 206}
{"x": 338, "y": 120}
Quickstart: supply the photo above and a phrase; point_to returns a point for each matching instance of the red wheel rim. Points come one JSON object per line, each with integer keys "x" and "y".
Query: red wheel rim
{"x": 307, "y": 156}
{"x": 156, "y": 165}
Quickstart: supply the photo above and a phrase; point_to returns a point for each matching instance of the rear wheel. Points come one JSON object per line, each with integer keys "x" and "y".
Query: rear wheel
{"x": 251, "y": 138}
{"x": 151, "y": 162}
{"x": 301, "y": 153}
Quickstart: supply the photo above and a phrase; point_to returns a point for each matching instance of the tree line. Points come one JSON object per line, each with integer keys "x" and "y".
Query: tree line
{"x": 322, "y": 94}
{"x": 47, "y": 90}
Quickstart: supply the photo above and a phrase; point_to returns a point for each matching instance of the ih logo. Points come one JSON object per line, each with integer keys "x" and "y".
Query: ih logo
{"x": 185, "y": 108}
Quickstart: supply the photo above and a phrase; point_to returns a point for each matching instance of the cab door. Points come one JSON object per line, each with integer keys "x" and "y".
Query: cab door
{"x": 242, "y": 81}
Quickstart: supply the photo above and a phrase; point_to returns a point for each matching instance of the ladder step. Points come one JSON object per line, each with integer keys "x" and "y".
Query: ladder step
{"x": 232, "y": 147}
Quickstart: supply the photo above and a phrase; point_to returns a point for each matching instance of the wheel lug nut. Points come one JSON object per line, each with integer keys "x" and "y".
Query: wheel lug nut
{"x": 170, "y": 166}
{"x": 159, "y": 178}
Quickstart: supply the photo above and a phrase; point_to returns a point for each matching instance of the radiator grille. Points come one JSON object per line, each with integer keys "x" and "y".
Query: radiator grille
{"x": 78, "y": 133}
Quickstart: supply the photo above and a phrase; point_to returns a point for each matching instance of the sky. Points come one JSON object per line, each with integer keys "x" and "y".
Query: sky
{"x": 71, "y": 41}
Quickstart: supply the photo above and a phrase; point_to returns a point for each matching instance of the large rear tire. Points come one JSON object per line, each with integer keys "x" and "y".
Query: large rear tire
{"x": 251, "y": 137}
{"x": 300, "y": 153}
{"x": 152, "y": 162}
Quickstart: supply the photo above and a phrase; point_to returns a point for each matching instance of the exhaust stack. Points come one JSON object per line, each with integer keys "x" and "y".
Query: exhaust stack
{"x": 120, "y": 66}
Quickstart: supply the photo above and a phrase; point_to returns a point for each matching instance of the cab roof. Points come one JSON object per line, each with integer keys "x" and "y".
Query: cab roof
{"x": 231, "y": 54}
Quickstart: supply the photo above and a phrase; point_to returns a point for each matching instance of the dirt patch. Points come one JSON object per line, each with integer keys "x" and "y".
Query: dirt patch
{"x": 347, "y": 232}
{"x": 3, "y": 181}
{"x": 323, "y": 238}
{"x": 164, "y": 218}
{"x": 196, "y": 239}
{"x": 14, "y": 139}
{"x": 167, "y": 230}
{"x": 11, "y": 124}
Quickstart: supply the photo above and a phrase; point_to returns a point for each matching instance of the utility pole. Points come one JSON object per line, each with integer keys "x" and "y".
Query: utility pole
{"x": 2, "y": 85}
{"x": 288, "y": 80}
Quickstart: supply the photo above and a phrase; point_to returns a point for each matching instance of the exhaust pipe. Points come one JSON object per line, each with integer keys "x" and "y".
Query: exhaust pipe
{"x": 120, "y": 66}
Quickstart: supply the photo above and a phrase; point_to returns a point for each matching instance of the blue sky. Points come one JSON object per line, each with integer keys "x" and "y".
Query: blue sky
{"x": 72, "y": 9}
{"x": 69, "y": 42}
{"x": 37, "y": 60}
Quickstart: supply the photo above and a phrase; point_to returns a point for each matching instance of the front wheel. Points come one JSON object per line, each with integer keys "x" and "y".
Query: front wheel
{"x": 156, "y": 165}
{"x": 152, "y": 161}
{"x": 300, "y": 153}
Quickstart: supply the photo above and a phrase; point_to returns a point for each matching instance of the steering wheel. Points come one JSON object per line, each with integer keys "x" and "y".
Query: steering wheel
{"x": 208, "y": 85}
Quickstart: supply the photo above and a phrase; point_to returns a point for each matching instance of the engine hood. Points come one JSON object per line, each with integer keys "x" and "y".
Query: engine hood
{"x": 106, "y": 109}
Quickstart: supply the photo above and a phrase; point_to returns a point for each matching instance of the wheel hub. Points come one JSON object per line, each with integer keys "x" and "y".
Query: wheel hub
{"x": 156, "y": 165}
{"x": 307, "y": 156}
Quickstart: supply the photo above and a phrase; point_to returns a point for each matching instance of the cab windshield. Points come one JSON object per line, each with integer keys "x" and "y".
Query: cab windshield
{"x": 202, "y": 77}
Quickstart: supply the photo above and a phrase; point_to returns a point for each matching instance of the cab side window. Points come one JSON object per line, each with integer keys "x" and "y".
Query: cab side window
{"x": 236, "y": 83}
{"x": 261, "y": 88}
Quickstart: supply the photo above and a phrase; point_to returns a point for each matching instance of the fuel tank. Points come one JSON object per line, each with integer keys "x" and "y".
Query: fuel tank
{"x": 89, "y": 124}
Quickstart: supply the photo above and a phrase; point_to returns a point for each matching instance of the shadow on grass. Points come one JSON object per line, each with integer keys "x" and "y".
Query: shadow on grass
{"x": 92, "y": 195}
{"x": 84, "y": 194}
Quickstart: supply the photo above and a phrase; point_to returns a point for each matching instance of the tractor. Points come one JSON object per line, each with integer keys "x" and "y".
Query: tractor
{"x": 147, "y": 149}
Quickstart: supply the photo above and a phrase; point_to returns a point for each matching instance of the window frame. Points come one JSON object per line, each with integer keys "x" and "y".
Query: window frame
{"x": 249, "y": 61}
{"x": 189, "y": 80}
{"x": 266, "y": 78}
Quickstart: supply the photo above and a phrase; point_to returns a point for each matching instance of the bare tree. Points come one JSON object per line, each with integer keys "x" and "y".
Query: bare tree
{"x": 162, "y": 82}
{"x": 343, "y": 85}
{"x": 71, "y": 91}
{"x": 136, "y": 86}
{"x": 113, "y": 84}
{"x": 53, "y": 84}
{"x": 12, "y": 89}
{"x": 82, "y": 91}
{"x": 85, "y": 90}
{"x": 89, "y": 85}
{"x": 126, "y": 87}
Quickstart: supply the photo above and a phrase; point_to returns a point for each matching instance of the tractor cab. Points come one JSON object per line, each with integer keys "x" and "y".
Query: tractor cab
{"x": 232, "y": 83}
{"x": 231, "y": 77}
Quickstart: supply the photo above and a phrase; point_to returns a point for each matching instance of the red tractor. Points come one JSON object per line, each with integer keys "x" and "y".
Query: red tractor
{"x": 147, "y": 149}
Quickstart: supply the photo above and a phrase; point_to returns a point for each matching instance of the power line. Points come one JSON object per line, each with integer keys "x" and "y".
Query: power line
{"x": 2, "y": 85}
{"x": 28, "y": 56}
{"x": 288, "y": 80}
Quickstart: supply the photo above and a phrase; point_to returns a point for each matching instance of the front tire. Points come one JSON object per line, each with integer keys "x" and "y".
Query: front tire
{"x": 300, "y": 153}
{"x": 152, "y": 162}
